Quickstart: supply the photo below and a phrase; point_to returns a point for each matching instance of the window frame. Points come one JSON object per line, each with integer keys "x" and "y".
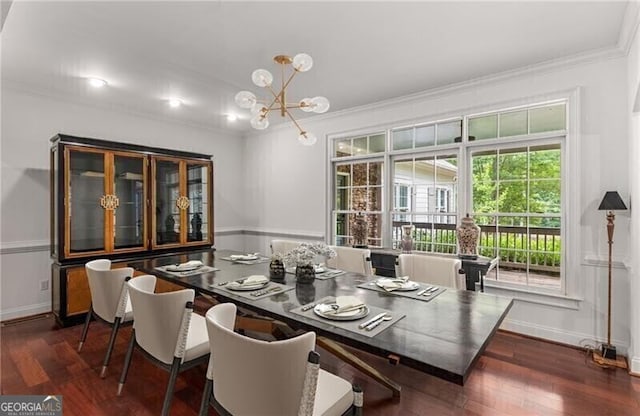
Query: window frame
{"x": 571, "y": 286}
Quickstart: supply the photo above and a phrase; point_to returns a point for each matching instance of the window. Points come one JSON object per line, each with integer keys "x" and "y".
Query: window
{"x": 358, "y": 188}
{"x": 510, "y": 162}
{"x": 516, "y": 203}
{"x": 432, "y": 180}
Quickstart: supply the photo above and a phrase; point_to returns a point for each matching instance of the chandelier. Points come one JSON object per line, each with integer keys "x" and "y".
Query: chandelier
{"x": 260, "y": 109}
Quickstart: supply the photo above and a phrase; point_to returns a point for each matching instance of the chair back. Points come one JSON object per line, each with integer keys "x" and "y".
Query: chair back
{"x": 349, "y": 259}
{"x": 283, "y": 246}
{"x": 250, "y": 376}
{"x": 157, "y": 317}
{"x": 436, "y": 270}
{"x": 106, "y": 286}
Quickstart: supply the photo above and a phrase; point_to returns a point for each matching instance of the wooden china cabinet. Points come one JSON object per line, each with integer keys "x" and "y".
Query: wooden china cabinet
{"x": 123, "y": 202}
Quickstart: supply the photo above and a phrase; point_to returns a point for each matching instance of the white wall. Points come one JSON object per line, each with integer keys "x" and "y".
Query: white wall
{"x": 28, "y": 122}
{"x": 633, "y": 109}
{"x": 289, "y": 183}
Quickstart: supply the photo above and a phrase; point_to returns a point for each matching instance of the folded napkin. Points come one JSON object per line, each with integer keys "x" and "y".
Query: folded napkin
{"x": 190, "y": 265}
{"x": 243, "y": 256}
{"x": 253, "y": 280}
{"x": 344, "y": 303}
{"x": 392, "y": 284}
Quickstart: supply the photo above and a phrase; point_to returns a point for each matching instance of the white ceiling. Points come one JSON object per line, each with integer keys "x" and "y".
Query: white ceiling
{"x": 364, "y": 52}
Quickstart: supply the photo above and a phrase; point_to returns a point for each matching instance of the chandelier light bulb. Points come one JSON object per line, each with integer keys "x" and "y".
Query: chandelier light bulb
{"x": 97, "y": 82}
{"x": 307, "y": 139}
{"x": 245, "y": 99}
{"x": 302, "y": 62}
{"x": 306, "y": 105}
{"x": 262, "y": 78}
{"x": 259, "y": 123}
{"x": 320, "y": 104}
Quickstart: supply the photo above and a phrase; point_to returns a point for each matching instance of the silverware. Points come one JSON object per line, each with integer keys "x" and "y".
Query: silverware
{"x": 422, "y": 292}
{"x": 308, "y": 306}
{"x": 386, "y": 317}
{"x": 372, "y": 320}
{"x": 239, "y": 281}
{"x": 265, "y": 291}
{"x": 314, "y": 304}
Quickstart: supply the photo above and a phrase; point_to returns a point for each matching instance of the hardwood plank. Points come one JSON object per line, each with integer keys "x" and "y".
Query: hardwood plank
{"x": 516, "y": 376}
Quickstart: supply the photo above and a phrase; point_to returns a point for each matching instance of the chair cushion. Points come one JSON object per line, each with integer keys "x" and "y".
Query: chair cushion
{"x": 197, "y": 339}
{"x": 334, "y": 395}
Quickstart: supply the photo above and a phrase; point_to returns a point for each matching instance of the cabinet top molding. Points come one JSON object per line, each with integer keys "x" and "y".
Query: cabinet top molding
{"x": 106, "y": 144}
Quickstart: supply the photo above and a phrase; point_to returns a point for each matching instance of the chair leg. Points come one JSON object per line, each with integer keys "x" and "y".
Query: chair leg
{"x": 127, "y": 361}
{"x": 173, "y": 375}
{"x": 206, "y": 397}
{"x": 358, "y": 400}
{"x": 112, "y": 341}
{"x": 85, "y": 329}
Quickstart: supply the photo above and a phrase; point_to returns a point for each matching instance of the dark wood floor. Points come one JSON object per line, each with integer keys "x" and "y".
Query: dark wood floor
{"x": 515, "y": 376}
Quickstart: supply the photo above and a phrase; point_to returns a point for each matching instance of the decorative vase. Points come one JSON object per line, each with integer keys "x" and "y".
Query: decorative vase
{"x": 359, "y": 231}
{"x": 305, "y": 293}
{"x": 196, "y": 226}
{"x": 407, "y": 239}
{"x": 305, "y": 273}
{"x": 276, "y": 270}
{"x": 468, "y": 234}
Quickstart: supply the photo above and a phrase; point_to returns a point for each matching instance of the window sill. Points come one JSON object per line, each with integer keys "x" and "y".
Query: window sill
{"x": 547, "y": 299}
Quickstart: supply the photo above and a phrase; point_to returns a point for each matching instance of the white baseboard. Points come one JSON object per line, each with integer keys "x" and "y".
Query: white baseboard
{"x": 557, "y": 335}
{"x": 634, "y": 365}
{"x": 24, "y": 311}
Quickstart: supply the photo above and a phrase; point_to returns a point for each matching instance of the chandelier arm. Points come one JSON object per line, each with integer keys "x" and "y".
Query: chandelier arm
{"x": 276, "y": 99}
{"x": 294, "y": 121}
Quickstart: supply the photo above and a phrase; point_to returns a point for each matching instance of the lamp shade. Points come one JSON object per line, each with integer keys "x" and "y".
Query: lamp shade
{"x": 612, "y": 201}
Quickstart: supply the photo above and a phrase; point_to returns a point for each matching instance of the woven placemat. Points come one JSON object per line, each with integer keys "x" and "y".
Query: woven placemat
{"x": 272, "y": 288}
{"x": 329, "y": 274}
{"x": 260, "y": 259}
{"x": 200, "y": 270}
{"x": 352, "y": 326}
{"x": 413, "y": 294}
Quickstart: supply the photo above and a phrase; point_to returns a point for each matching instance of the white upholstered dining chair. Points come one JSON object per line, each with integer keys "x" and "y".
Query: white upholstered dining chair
{"x": 283, "y": 246}
{"x": 436, "y": 270}
{"x": 349, "y": 259}
{"x": 166, "y": 330}
{"x": 109, "y": 301}
{"x": 254, "y": 377}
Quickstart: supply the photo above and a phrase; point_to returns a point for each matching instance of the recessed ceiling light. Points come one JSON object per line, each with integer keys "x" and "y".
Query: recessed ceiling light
{"x": 232, "y": 117}
{"x": 97, "y": 82}
{"x": 175, "y": 102}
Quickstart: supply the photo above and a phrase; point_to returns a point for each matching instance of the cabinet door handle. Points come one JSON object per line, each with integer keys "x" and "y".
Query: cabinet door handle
{"x": 109, "y": 201}
{"x": 183, "y": 202}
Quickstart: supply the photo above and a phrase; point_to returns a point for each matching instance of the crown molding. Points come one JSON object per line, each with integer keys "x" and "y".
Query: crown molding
{"x": 10, "y": 84}
{"x": 540, "y": 68}
{"x": 629, "y": 29}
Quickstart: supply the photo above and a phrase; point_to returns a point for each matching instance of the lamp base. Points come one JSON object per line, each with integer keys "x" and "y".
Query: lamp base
{"x": 609, "y": 352}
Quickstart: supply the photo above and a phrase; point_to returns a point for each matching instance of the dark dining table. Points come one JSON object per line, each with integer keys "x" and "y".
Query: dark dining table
{"x": 443, "y": 337}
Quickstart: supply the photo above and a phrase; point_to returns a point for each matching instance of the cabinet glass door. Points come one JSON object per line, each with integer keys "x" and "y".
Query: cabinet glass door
{"x": 198, "y": 194}
{"x": 166, "y": 193}
{"x": 129, "y": 187}
{"x": 85, "y": 191}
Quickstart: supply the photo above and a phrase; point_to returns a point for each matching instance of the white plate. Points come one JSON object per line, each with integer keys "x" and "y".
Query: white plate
{"x": 256, "y": 286}
{"x": 174, "y": 268}
{"x": 237, "y": 257}
{"x": 406, "y": 287}
{"x": 343, "y": 316}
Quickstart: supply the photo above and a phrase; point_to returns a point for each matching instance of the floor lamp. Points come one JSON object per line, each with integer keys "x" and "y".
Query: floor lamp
{"x": 610, "y": 202}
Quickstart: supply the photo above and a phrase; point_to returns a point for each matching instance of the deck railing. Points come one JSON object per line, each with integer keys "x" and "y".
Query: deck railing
{"x": 514, "y": 245}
